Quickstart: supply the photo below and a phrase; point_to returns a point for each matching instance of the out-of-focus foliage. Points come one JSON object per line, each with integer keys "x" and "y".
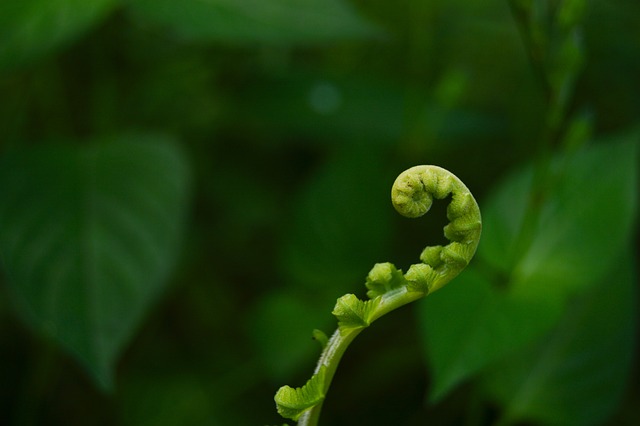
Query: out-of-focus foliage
{"x": 577, "y": 373}
{"x": 186, "y": 187}
{"x": 255, "y": 21}
{"x": 32, "y": 28}
{"x": 502, "y": 304}
{"x": 89, "y": 236}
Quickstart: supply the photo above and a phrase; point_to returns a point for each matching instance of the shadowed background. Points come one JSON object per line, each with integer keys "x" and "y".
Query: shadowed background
{"x": 187, "y": 186}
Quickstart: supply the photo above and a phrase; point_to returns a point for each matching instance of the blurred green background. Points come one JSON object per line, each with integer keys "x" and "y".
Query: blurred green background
{"x": 187, "y": 186}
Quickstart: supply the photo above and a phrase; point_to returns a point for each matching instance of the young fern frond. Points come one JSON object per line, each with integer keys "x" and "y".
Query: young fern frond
{"x": 388, "y": 288}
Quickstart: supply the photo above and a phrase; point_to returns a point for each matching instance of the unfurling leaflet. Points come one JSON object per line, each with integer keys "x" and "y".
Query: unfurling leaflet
{"x": 389, "y": 288}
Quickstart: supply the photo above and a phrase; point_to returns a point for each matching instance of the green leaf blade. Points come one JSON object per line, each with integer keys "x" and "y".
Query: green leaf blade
{"x": 89, "y": 237}
{"x": 486, "y": 325}
{"x": 576, "y": 375}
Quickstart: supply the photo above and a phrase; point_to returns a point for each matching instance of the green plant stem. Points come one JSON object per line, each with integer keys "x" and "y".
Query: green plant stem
{"x": 535, "y": 50}
{"x": 331, "y": 356}
{"x": 538, "y": 40}
{"x": 340, "y": 341}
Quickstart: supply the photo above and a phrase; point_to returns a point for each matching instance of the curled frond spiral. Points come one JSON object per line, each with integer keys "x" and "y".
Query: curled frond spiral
{"x": 412, "y": 195}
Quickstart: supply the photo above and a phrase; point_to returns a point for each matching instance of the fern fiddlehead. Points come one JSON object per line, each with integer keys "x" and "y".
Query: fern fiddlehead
{"x": 389, "y": 288}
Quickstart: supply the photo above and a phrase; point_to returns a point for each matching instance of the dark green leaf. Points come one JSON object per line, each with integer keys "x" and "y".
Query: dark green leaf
{"x": 88, "y": 237}
{"x": 577, "y": 374}
{"x": 31, "y": 28}
{"x": 256, "y": 21}
{"x": 471, "y": 324}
